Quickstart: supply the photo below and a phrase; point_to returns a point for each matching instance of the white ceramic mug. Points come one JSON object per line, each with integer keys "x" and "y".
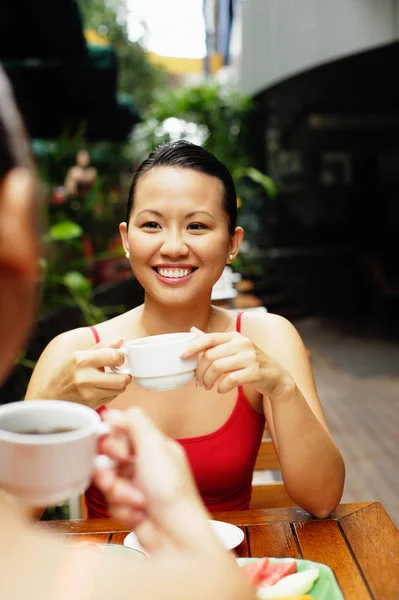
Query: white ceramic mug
{"x": 50, "y": 466}
{"x": 156, "y": 363}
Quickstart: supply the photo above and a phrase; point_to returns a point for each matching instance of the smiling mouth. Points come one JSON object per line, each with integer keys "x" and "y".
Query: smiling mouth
{"x": 174, "y": 273}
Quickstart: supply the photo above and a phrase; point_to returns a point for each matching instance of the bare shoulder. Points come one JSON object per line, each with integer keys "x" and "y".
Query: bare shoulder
{"x": 81, "y": 338}
{"x": 267, "y": 321}
{"x": 55, "y": 353}
{"x": 123, "y": 326}
{"x": 223, "y": 319}
{"x": 269, "y": 330}
{"x": 73, "y": 171}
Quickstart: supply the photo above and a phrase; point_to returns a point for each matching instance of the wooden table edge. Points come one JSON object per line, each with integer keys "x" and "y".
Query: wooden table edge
{"x": 240, "y": 518}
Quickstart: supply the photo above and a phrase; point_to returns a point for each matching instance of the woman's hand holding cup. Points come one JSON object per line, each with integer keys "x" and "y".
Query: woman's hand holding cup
{"x": 82, "y": 377}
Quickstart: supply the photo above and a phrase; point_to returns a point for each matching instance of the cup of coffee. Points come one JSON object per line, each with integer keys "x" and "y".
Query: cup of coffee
{"x": 48, "y": 450}
{"x": 156, "y": 363}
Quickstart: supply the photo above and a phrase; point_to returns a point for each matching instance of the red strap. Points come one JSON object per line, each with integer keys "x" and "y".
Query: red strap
{"x": 95, "y": 333}
{"x": 238, "y": 322}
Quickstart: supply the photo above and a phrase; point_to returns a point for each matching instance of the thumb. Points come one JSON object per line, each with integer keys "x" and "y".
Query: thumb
{"x": 197, "y": 331}
{"x": 115, "y": 345}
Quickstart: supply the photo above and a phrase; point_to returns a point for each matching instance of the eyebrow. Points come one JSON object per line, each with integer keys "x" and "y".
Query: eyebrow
{"x": 191, "y": 214}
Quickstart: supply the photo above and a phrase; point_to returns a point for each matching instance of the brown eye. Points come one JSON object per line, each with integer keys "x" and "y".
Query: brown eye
{"x": 197, "y": 226}
{"x": 150, "y": 225}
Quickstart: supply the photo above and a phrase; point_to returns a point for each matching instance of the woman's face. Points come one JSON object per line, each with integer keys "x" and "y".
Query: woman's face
{"x": 178, "y": 237}
{"x": 18, "y": 264}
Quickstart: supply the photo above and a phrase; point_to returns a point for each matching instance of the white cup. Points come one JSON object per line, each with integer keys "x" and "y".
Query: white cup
{"x": 156, "y": 363}
{"x": 47, "y": 468}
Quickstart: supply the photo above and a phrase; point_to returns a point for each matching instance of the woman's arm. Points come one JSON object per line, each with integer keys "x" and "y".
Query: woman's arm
{"x": 312, "y": 466}
{"x": 72, "y": 368}
{"x": 269, "y": 357}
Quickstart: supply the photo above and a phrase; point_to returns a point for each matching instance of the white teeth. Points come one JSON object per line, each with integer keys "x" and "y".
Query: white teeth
{"x": 174, "y": 273}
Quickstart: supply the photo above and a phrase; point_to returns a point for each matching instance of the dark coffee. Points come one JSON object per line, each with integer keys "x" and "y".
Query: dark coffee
{"x": 47, "y": 431}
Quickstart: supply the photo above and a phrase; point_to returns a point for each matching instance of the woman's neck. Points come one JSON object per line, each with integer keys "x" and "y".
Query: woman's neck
{"x": 155, "y": 319}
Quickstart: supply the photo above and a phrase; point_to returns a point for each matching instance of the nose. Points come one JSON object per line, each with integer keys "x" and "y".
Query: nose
{"x": 174, "y": 244}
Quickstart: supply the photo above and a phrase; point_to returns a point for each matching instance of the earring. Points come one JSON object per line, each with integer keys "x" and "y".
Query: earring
{"x": 231, "y": 256}
{"x": 127, "y": 254}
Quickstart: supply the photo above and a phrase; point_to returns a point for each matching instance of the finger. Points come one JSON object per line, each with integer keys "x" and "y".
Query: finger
{"x": 117, "y": 446}
{"x": 100, "y": 357}
{"x": 212, "y": 355}
{"x": 223, "y": 366}
{"x": 124, "y": 493}
{"x": 238, "y": 378}
{"x": 104, "y": 479}
{"x": 109, "y": 381}
{"x": 206, "y": 341}
{"x": 127, "y": 515}
{"x": 117, "y": 344}
{"x": 144, "y": 437}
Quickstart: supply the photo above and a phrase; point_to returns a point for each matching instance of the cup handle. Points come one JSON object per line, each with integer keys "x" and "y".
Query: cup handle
{"x": 122, "y": 370}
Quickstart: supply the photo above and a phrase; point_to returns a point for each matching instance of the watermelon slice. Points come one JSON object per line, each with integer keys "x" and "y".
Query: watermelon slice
{"x": 256, "y": 570}
{"x": 275, "y": 572}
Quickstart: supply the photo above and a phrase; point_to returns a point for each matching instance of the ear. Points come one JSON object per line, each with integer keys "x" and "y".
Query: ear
{"x": 123, "y": 232}
{"x": 18, "y": 237}
{"x": 234, "y": 244}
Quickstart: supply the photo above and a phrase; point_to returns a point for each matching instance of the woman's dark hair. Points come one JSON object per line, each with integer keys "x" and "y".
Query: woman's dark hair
{"x": 184, "y": 155}
{"x": 14, "y": 144}
{"x": 15, "y": 150}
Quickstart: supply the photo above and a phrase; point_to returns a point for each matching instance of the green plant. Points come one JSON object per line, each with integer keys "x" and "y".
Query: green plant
{"x": 208, "y": 114}
{"x": 137, "y": 75}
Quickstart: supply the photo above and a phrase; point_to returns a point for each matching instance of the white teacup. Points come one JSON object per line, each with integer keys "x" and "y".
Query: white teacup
{"x": 156, "y": 363}
{"x": 48, "y": 450}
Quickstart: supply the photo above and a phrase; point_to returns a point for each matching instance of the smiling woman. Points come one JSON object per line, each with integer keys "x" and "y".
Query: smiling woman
{"x": 165, "y": 510}
{"x": 180, "y": 232}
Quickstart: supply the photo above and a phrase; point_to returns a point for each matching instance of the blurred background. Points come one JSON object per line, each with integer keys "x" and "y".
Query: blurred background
{"x": 299, "y": 100}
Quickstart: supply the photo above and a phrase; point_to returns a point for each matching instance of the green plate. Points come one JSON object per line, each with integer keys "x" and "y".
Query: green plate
{"x": 325, "y": 588}
{"x": 116, "y": 549}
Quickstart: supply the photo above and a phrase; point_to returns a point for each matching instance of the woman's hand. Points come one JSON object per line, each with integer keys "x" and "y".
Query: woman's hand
{"x": 82, "y": 377}
{"x": 228, "y": 360}
{"x": 152, "y": 489}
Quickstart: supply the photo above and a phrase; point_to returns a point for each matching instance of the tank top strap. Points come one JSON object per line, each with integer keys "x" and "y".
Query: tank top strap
{"x": 238, "y": 322}
{"x": 95, "y": 333}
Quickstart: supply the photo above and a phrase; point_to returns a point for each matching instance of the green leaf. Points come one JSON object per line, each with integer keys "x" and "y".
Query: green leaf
{"x": 64, "y": 231}
{"x": 258, "y": 177}
{"x": 76, "y": 282}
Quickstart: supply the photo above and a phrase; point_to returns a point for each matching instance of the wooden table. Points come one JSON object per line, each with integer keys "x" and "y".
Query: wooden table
{"x": 359, "y": 542}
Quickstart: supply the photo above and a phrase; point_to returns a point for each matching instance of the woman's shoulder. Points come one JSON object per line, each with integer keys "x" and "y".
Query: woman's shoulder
{"x": 269, "y": 328}
{"x": 84, "y": 338}
{"x": 81, "y": 338}
{"x": 122, "y": 326}
{"x": 265, "y": 320}
{"x": 251, "y": 321}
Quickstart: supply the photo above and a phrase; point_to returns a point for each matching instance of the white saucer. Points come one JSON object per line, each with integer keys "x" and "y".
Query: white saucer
{"x": 230, "y": 536}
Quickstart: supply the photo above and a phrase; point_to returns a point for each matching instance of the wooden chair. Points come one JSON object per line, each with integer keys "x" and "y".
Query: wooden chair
{"x": 268, "y": 494}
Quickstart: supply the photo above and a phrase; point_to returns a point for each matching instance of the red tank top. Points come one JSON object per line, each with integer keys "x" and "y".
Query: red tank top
{"x": 222, "y": 461}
